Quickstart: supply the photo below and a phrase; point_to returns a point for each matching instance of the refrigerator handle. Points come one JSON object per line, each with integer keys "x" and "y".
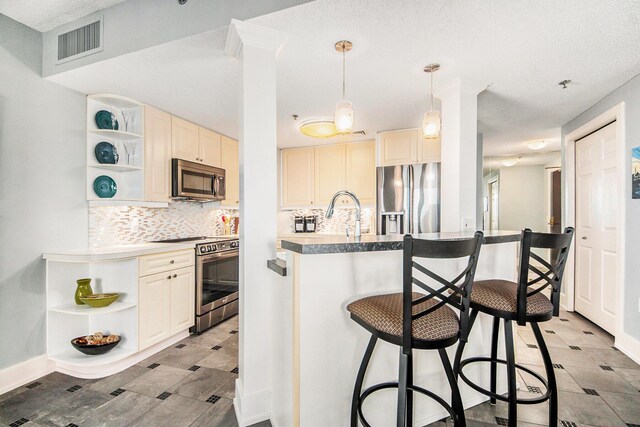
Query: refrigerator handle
{"x": 409, "y": 202}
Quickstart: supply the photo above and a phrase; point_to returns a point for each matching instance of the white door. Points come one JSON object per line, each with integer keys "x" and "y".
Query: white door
{"x": 596, "y": 223}
{"x": 154, "y": 306}
{"x": 182, "y": 299}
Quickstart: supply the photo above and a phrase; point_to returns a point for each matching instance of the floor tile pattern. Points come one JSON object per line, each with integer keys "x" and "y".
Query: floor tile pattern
{"x": 189, "y": 384}
{"x": 597, "y": 384}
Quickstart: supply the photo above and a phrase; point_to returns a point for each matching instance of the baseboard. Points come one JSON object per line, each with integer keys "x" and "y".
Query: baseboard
{"x": 251, "y": 408}
{"x": 629, "y": 346}
{"x": 25, "y": 372}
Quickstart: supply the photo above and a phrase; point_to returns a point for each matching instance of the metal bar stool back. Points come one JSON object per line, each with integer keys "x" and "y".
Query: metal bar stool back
{"x": 419, "y": 320}
{"x": 525, "y": 302}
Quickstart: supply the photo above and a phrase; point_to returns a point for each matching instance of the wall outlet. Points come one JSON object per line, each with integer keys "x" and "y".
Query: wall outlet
{"x": 467, "y": 224}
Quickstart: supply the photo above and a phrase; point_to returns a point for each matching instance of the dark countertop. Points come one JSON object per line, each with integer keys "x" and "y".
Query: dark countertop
{"x": 373, "y": 243}
{"x": 278, "y": 265}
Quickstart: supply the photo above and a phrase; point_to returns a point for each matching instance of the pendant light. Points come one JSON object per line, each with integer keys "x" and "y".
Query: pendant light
{"x": 431, "y": 121}
{"x": 343, "y": 117}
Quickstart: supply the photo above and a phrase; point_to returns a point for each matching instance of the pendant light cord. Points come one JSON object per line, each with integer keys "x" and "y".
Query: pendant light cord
{"x": 343, "y": 70}
{"x": 431, "y": 90}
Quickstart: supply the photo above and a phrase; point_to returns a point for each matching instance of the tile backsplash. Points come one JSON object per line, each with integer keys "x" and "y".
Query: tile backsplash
{"x": 124, "y": 225}
{"x": 342, "y": 218}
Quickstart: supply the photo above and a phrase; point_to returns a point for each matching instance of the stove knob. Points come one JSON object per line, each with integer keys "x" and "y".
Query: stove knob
{"x": 234, "y": 244}
{"x": 202, "y": 249}
{"x": 213, "y": 248}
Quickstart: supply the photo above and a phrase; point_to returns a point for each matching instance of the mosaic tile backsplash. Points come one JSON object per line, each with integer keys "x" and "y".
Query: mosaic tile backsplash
{"x": 341, "y": 219}
{"x": 125, "y": 225}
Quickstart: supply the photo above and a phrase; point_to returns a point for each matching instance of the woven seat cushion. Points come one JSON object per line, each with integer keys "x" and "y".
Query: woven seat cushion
{"x": 502, "y": 295}
{"x": 384, "y": 313}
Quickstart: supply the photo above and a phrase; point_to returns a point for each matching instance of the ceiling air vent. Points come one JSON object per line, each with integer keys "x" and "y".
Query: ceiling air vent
{"x": 80, "y": 42}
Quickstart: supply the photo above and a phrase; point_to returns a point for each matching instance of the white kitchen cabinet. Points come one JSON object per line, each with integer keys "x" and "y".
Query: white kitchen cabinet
{"x": 405, "y": 147}
{"x": 166, "y": 295}
{"x": 154, "y": 310}
{"x": 182, "y": 299}
{"x": 229, "y": 154}
{"x": 209, "y": 147}
{"x": 185, "y": 140}
{"x": 298, "y": 177}
{"x": 157, "y": 154}
{"x": 329, "y": 172}
{"x": 360, "y": 175}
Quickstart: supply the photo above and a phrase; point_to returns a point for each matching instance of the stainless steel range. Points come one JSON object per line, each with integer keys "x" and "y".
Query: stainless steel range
{"x": 217, "y": 278}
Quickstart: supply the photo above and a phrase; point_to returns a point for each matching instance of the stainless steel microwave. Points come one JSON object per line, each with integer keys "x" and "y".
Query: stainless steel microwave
{"x": 195, "y": 181}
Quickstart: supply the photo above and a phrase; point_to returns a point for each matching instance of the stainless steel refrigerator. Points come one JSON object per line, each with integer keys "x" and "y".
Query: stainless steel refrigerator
{"x": 408, "y": 199}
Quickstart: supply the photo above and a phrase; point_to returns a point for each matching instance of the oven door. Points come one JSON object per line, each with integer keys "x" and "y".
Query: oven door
{"x": 217, "y": 279}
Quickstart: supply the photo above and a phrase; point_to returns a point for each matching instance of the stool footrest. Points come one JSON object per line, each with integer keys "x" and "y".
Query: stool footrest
{"x": 387, "y": 385}
{"x": 527, "y": 401}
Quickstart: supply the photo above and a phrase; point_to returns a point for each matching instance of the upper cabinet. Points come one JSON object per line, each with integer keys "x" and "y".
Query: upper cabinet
{"x": 210, "y": 153}
{"x": 360, "y": 177}
{"x": 312, "y": 175}
{"x": 229, "y": 162}
{"x": 298, "y": 177}
{"x": 157, "y": 154}
{"x": 329, "y": 172}
{"x": 185, "y": 140}
{"x": 406, "y": 147}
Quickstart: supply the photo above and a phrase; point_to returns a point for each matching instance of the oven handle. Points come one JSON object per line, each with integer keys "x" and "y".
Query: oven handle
{"x": 221, "y": 255}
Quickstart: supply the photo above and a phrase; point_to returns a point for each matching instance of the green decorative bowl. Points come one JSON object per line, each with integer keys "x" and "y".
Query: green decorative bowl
{"x": 99, "y": 300}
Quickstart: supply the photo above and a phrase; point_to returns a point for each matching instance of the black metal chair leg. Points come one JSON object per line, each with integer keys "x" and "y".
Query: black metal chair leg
{"x": 461, "y": 344}
{"x": 402, "y": 389}
{"x": 511, "y": 373}
{"x": 494, "y": 356}
{"x": 456, "y": 399}
{"x": 551, "y": 376}
{"x": 409, "y": 392}
{"x": 360, "y": 379}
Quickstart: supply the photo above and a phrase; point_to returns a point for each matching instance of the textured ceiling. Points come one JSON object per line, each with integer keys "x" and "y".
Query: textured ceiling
{"x": 45, "y": 15}
{"x": 523, "y": 49}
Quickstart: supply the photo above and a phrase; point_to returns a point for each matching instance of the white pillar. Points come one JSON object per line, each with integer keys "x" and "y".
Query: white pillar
{"x": 256, "y": 47}
{"x": 459, "y": 101}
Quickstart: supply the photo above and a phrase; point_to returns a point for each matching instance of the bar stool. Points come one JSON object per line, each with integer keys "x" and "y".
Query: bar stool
{"x": 523, "y": 302}
{"x": 413, "y": 320}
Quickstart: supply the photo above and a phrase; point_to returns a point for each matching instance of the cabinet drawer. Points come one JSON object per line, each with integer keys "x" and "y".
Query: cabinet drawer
{"x": 152, "y": 264}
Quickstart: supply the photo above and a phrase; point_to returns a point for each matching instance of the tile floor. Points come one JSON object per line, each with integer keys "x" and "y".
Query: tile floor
{"x": 598, "y": 385}
{"x": 189, "y": 384}
{"x": 192, "y": 384}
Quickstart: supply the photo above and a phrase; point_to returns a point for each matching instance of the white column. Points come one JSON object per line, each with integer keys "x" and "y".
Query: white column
{"x": 459, "y": 101}
{"x": 256, "y": 48}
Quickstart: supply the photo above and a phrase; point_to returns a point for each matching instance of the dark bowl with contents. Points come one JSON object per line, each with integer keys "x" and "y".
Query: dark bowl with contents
{"x": 82, "y": 346}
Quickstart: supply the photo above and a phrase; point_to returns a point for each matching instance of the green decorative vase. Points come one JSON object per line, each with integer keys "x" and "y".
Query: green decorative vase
{"x": 83, "y": 289}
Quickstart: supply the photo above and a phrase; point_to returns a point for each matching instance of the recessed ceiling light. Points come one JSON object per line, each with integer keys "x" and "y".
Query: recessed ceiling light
{"x": 537, "y": 145}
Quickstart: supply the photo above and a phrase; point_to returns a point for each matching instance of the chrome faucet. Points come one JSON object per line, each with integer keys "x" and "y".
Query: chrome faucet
{"x": 332, "y": 203}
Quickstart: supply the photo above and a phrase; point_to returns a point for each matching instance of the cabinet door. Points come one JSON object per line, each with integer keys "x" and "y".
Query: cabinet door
{"x": 429, "y": 150}
{"x": 361, "y": 171}
{"x": 185, "y": 143}
{"x": 157, "y": 154}
{"x": 183, "y": 299}
{"x": 297, "y": 177}
{"x": 209, "y": 147}
{"x": 399, "y": 147}
{"x": 329, "y": 176}
{"x": 232, "y": 171}
{"x": 154, "y": 309}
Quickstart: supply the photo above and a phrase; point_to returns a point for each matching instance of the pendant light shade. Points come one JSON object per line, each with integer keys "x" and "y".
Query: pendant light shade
{"x": 343, "y": 117}
{"x": 431, "y": 122}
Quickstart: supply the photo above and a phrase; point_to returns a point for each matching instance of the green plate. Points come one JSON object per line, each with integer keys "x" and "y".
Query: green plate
{"x": 104, "y": 120}
{"x": 99, "y": 300}
{"x": 105, "y": 187}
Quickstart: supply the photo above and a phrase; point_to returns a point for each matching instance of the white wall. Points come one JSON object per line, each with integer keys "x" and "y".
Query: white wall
{"x": 629, "y": 93}
{"x": 42, "y": 186}
{"x": 522, "y": 198}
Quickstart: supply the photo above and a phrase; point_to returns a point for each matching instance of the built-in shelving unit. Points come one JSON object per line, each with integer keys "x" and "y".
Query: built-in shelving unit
{"x": 83, "y": 310}
{"x": 128, "y": 140}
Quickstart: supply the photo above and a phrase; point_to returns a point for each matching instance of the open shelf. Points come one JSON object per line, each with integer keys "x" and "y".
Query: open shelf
{"x": 116, "y": 167}
{"x": 116, "y": 101}
{"x": 108, "y": 133}
{"x": 74, "y": 357}
{"x": 85, "y": 310}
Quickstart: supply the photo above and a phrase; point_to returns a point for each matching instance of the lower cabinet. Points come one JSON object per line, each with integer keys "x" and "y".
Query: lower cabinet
{"x": 166, "y": 304}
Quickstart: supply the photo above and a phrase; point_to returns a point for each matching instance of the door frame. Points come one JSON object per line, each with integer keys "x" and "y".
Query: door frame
{"x": 616, "y": 113}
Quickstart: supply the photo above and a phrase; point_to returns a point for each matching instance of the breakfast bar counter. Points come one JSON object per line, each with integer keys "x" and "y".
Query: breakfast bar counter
{"x": 318, "y": 348}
